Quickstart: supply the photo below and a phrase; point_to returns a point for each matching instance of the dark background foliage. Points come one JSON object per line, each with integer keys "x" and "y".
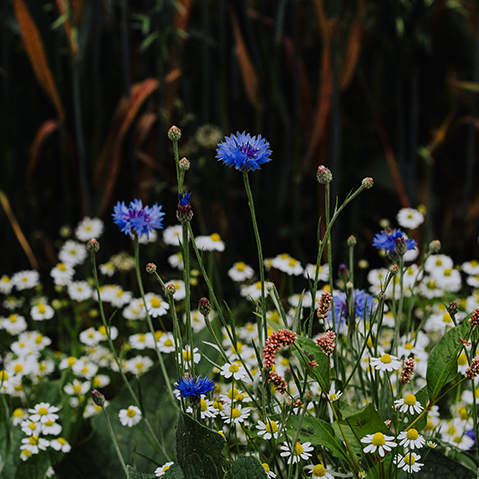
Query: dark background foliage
{"x": 384, "y": 89}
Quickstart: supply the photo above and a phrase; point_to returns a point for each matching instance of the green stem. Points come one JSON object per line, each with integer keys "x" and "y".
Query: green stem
{"x": 262, "y": 333}
{"x": 115, "y": 442}
{"x": 186, "y": 279}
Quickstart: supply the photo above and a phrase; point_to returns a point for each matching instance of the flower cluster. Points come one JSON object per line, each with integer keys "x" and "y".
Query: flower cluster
{"x": 324, "y": 305}
{"x": 274, "y": 343}
{"x": 327, "y": 342}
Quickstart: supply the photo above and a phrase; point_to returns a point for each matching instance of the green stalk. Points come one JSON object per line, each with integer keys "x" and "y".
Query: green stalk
{"x": 186, "y": 279}
{"x": 115, "y": 442}
{"x": 262, "y": 324}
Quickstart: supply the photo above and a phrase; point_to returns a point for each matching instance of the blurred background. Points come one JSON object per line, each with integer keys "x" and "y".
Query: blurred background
{"x": 89, "y": 89}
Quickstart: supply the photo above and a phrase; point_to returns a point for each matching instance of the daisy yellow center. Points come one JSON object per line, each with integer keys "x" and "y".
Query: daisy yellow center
{"x": 241, "y": 266}
{"x": 139, "y": 364}
{"x": 429, "y": 426}
{"x": 431, "y": 284}
{"x": 77, "y": 388}
{"x": 284, "y": 256}
{"x": 49, "y": 423}
{"x": 370, "y": 342}
{"x": 266, "y": 467}
{"x": 258, "y": 284}
{"x": 451, "y": 431}
{"x": 204, "y": 406}
{"x": 234, "y": 368}
{"x": 62, "y": 267}
{"x": 13, "y": 318}
{"x": 217, "y": 405}
{"x": 18, "y": 368}
{"x": 33, "y": 440}
{"x": 165, "y": 468}
{"x": 410, "y": 400}
{"x": 438, "y": 262}
{"x": 298, "y": 449}
{"x": 168, "y": 342}
{"x": 232, "y": 393}
{"x": 271, "y": 427}
{"x": 155, "y": 302}
{"x": 131, "y": 412}
{"x": 71, "y": 361}
{"x": 474, "y": 262}
{"x": 378, "y": 439}
{"x": 158, "y": 334}
{"x": 239, "y": 397}
{"x": 235, "y": 413}
{"x": 408, "y": 346}
{"x": 102, "y": 330}
{"x": 319, "y": 470}
{"x": 292, "y": 262}
{"x": 26, "y": 452}
{"x": 62, "y": 441}
{"x": 42, "y": 309}
{"x": 447, "y": 272}
{"x": 463, "y": 414}
{"x": 457, "y": 440}
{"x": 39, "y": 339}
{"x": 18, "y": 413}
{"x": 412, "y": 434}
{"x": 447, "y": 318}
{"x": 462, "y": 359}
{"x": 84, "y": 370}
{"x": 215, "y": 237}
{"x": 386, "y": 359}
{"x": 409, "y": 459}
{"x": 333, "y": 397}
{"x": 32, "y": 426}
{"x": 186, "y": 355}
{"x": 43, "y": 411}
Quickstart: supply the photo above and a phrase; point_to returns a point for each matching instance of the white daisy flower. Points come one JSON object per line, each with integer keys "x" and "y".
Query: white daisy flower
{"x": 51, "y": 428}
{"x": 408, "y": 462}
{"x": 234, "y": 369}
{"x": 252, "y": 291}
{"x": 185, "y": 356}
{"x": 6, "y": 284}
{"x": 173, "y": 235}
{"x": 210, "y": 243}
{"x": 378, "y": 442}
{"x": 77, "y": 388}
{"x": 89, "y": 228}
{"x": 72, "y": 253}
{"x": 268, "y": 430}
{"x": 411, "y": 439}
{"x": 160, "y": 471}
{"x": 31, "y": 428}
{"x": 176, "y": 261}
{"x": 285, "y": 263}
{"x": 129, "y": 417}
{"x": 135, "y": 310}
{"x": 166, "y": 343}
{"x": 268, "y": 470}
{"x": 34, "y": 444}
{"x": 41, "y": 312}
{"x": 438, "y": 262}
{"x": 107, "y": 269}
{"x": 207, "y": 409}
{"x": 43, "y": 412}
{"x": 240, "y": 271}
{"x": 319, "y": 471}
{"x": 323, "y": 272}
{"x": 408, "y": 404}
{"x": 296, "y": 452}
{"x": 138, "y": 365}
{"x": 142, "y": 341}
{"x": 179, "y": 285}
{"x": 62, "y": 274}
{"x": 235, "y": 415}
{"x": 14, "y": 324}
{"x": 90, "y": 336}
{"x": 386, "y": 362}
{"x": 60, "y": 444}
{"x": 26, "y": 279}
{"x": 156, "y": 306}
{"x": 18, "y": 416}
{"x": 80, "y": 291}
{"x": 409, "y": 218}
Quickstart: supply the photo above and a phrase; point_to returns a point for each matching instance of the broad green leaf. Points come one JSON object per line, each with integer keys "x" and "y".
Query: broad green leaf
{"x": 442, "y": 363}
{"x": 248, "y": 467}
{"x": 199, "y": 449}
{"x": 174, "y": 472}
{"x": 439, "y": 466}
{"x": 423, "y": 399}
{"x": 307, "y": 350}
{"x": 318, "y": 432}
{"x": 132, "y": 473}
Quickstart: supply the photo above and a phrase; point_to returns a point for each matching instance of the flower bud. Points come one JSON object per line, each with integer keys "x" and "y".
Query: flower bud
{"x": 174, "y": 133}
{"x": 434, "y": 246}
{"x": 97, "y": 397}
{"x": 151, "y": 268}
{"x": 400, "y": 246}
{"x": 93, "y": 246}
{"x": 352, "y": 242}
{"x": 324, "y": 175}
{"x": 204, "y": 306}
{"x": 453, "y": 308}
{"x": 393, "y": 269}
{"x": 367, "y": 183}
{"x": 184, "y": 164}
{"x": 170, "y": 289}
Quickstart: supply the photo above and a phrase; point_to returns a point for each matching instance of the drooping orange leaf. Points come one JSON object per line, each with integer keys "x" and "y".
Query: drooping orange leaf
{"x": 182, "y": 15}
{"x": 17, "y": 230}
{"x": 248, "y": 72}
{"x": 43, "y": 132}
{"x": 77, "y": 8}
{"x": 110, "y": 158}
{"x": 68, "y": 26}
{"x": 440, "y": 134}
{"x": 37, "y": 56}
{"x": 353, "y": 47}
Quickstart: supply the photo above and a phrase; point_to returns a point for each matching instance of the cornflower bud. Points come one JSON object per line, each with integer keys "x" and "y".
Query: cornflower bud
{"x": 174, "y": 133}
{"x": 400, "y": 246}
{"x": 184, "y": 164}
{"x": 324, "y": 175}
{"x": 97, "y": 397}
{"x": 434, "y": 246}
{"x": 151, "y": 268}
{"x": 204, "y": 306}
{"x": 453, "y": 308}
{"x": 393, "y": 269}
{"x": 93, "y": 246}
{"x": 170, "y": 289}
{"x": 367, "y": 183}
{"x": 352, "y": 241}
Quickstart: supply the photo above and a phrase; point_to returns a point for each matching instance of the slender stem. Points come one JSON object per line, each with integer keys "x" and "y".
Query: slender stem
{"x": 115, "y": 442}
{"x": 262, "y": 334}
{"x": 186, "y": 279}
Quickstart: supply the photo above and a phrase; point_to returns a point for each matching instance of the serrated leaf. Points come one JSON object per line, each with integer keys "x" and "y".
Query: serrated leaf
{"x": 442, "y": 363}
{"x": 132, "y": 473}
{"x": 199, "y": 449}
{"x": 307, "y": 350}
{"x": 248, "y": 467}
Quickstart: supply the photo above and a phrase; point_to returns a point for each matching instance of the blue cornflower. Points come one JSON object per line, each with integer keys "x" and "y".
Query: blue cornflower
{"x": 244, "y": 152}
{"x": 387, "y": 240}
{"x": 364, "y": 305}
{"x": 185, "y": 198}
{"x": 194, "y": 388}
{"x": 138, "y": 219}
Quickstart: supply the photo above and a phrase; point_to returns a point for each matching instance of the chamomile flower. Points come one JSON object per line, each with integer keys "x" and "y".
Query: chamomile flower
{"x": 319, "y": 471}
{"x": 378, "y": 442}
{"x": 268, "y": 470}
{"x": 411, "y": 439}
{"x": 166, "y": 343}
{"x": 62, "y": 274}
{"x": 6, "y": 284}
{"x": 386, "y": 362}
{"x": 60, "y": 444}
{"x": 173, "y": 235}
{"x": 409, "y": 218}
{"x": 408, "y": 462}
{"x": 129, "y": 417}
{"x": 138, "y": 365}
{"x": 240, "y": 271}
{"x": 34, "y": 444}
{"x": 160, "y": 471}
{"x": 156, "y": 306}
{"x": 18, "y": 416}
{"x": 296, "y": 452}
{"x": 179, "y": 285}
{"x": 41, "y": 312}
{"x": 72, "y": 253}
{"x": 79, "y": 291}
{"x": 235, "y": 415}
{"x": 268, "y": 430}
{"x": 185, "y": 356}
{"x": 210, "y": 243}
{"x": 89, "y": 228}
{"x": 408, "y": 404}
{"x": 234, "y": 369}
{"x": 176, "y": 261}
{"x": 25, "y": 279}
{"x": 43, "y": 412}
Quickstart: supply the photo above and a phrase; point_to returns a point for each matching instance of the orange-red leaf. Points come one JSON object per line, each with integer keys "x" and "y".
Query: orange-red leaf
{"x": 36, "y": 53}
{"x": 68, "y": 26}
{"x": 43, "y": 132}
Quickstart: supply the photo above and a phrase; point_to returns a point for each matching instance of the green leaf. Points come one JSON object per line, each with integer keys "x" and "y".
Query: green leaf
{"x": 307, "y": 350}
{"x": 423, "y": 399}
{"x": 174, "y": 472}
{"x": 199, "y": 449}
{"x": 442, "y": 363}
{"x": 248, "y": 467}
{"x": 439, "y": 466}
{"x": 132, "y": 473}
{"x": 318, "y": 432}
